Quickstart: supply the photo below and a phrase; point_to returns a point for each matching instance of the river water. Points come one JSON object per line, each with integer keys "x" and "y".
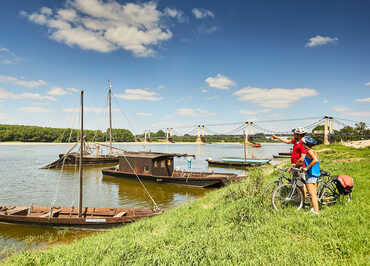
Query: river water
{"x": 23, "y": 183}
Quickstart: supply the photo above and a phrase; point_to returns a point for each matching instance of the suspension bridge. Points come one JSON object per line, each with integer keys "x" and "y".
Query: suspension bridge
{"x": 251, "y": 130}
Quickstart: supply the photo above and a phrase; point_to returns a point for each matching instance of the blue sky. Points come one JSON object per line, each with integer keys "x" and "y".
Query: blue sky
{"x": 175, "y": 63}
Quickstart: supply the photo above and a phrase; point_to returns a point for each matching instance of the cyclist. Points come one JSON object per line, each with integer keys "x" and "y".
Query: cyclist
{"x": 312, "y": 170}
{"x": 298, "y": 152}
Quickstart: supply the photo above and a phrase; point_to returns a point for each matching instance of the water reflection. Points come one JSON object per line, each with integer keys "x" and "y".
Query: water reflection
{"x": 165, "y": 195}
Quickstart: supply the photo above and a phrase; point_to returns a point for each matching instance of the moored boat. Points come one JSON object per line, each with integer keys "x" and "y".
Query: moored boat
{"x": 91, "y": 218}
{"x": 159, "y": 167}
{"x": 239, "y": 162}
{"x": 281, "y": 156}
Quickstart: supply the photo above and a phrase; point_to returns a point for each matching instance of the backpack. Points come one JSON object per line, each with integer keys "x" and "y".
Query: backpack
{"x": 344, "y": 184}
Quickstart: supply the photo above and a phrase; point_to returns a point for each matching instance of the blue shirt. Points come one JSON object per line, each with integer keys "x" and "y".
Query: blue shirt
{"x": 314, "y": 171}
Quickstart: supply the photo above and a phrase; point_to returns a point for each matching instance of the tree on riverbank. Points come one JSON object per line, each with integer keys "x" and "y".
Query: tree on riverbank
{"x": 47, "y": 134}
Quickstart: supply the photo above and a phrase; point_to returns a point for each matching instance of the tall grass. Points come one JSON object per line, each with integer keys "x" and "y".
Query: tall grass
{"x": 233, "y": 226}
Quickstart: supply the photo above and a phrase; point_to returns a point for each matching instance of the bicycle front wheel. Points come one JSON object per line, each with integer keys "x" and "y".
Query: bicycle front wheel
{"x": 267, "y": 193}
{"x": 287, "y": 196}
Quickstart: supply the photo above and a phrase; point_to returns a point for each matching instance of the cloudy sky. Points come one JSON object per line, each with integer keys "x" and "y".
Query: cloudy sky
{"x": 175, "y": 63}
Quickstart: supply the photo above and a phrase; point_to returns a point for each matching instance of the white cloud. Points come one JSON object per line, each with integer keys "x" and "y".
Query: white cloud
{"x": 320, "y": 40}
{"x": 325, "y": 101}
{"x": 72, "y": 89}
{"x": 275, "y": 97}
{"x": 210, "y": 98}
{"x": 193, "y": 112}
{"x": 144, "y": 114}
{"x": 57, "y": 92}
{"x": 364, "y": 100}
{"x": 367, "y": 83}
{"x": 139, "y": 94}
{"x": 22, "y": 82}
{"x": 106, "y": 26}
{"x": 220, "y": 82}
{"x": 97, "y": 110}
{"x": 174, "y": 13}
{"x": 7, "y": 95}
{"x": 359, "y": 113}
{"x": 346, "y": 111}
{"x": 254, "y": 112}
{"x": 341, "y": 108}
{"x": 35, "y": 109}
{"x": 7, "y": 57}
{"x": 204, "y": 91}
{"x": 201, "y": 13}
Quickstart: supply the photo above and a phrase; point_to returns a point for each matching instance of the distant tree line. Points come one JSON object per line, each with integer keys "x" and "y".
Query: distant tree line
{"x": 48, "y": 134}
{"x": 347, "y": 133}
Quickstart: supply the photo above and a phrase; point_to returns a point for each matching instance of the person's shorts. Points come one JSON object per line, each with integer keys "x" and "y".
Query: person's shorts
{"x": 311, "y": 179}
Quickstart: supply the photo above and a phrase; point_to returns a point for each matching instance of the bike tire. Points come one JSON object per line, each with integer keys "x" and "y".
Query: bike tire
{"x": 284, "y": 197}
{"x": 329, "y": 193}
{"x": 270, "y": 189}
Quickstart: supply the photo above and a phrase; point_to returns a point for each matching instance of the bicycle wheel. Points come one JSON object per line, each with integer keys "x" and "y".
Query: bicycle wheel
{"x": 285, "y": 196}
{"x": 329, "y": 193}
{"x": 267, "y": 193}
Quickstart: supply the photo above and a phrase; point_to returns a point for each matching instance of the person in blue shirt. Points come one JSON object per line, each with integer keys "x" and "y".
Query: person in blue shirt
{"x": 312, "y": 170}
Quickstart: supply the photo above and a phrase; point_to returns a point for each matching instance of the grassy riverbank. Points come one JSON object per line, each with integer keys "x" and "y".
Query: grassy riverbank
{"x": 232, "y": 226}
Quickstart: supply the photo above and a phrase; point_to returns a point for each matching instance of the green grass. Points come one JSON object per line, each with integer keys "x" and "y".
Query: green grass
{"x": 232, "y": 226}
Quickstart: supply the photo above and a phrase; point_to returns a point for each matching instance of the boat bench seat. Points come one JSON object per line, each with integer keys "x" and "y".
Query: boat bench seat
{"x": 119, "y": 214}
{"x": 17, "y": 211}
{"x": 54, "y": 213}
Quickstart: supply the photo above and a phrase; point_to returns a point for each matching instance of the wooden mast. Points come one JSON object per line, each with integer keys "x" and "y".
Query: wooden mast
{"x": 81, "y": 153}
{"x": 110, "y": 117}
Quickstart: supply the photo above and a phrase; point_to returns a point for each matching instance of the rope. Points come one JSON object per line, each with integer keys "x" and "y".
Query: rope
{"x": 156, "y": 207}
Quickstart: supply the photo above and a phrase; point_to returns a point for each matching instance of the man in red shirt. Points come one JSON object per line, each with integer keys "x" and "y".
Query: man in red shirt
{"x": 298, "y": 152}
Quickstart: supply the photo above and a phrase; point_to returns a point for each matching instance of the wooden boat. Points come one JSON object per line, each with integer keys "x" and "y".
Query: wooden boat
{"x": 81, "y": 217}
{"x": 239, "y": 162}
{"x": 256, "y": 145}
{"x": 281, "y": 156}
{"x": 158, "y": 167}
{"x": 92, "y": 155}
{"x": 285, "y": 153}
{"x": 91, "y": 218}
{"x": 72, "y": 159}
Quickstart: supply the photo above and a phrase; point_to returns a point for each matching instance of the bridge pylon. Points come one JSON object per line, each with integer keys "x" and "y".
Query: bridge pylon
{"x": 199, "y": 139}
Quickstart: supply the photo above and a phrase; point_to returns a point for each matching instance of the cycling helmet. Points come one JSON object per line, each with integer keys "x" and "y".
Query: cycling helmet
{"x": 299, "y": 130}
{"x": 309, "y": 141}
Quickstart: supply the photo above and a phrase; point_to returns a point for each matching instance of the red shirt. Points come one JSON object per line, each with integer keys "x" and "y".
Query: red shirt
{"x": 298, "y": 150}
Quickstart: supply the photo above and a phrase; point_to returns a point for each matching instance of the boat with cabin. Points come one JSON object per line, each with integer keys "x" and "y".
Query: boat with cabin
{"x": 159, "y": 167}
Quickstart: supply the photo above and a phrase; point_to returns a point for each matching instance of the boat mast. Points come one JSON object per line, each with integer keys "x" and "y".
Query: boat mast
{"x": 110, "y": 116}
{"x": 81, "y": 153}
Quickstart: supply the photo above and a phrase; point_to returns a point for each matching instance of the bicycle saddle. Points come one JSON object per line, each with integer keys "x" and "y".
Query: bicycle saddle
{"x": 324, "y": 173}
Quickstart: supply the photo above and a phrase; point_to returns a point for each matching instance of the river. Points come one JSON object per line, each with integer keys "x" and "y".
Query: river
{"x": 23, "y": 183}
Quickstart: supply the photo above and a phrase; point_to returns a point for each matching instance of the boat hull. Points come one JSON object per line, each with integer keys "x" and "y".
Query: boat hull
{"x": 236, "y": 163}
{"x": 74, "y": 160}
{"x": 92, "y": 218}
{"x": 181, "y": 178}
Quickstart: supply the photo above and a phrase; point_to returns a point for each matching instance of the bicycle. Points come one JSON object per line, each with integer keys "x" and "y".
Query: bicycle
{"x": 291, "y": 194}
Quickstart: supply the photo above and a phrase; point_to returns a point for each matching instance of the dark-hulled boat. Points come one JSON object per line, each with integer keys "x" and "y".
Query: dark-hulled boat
{"x": 91, "y": 218}
{"x": 159, "y": 167}
{"x": 281, "y": 156}
{"x": 238, "y": 162}
{"x": 285, "y": 153}
{"x": 81, "y": 217}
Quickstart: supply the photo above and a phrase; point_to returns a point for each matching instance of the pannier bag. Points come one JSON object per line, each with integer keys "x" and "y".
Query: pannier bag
{"x": 344, "y": 184}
